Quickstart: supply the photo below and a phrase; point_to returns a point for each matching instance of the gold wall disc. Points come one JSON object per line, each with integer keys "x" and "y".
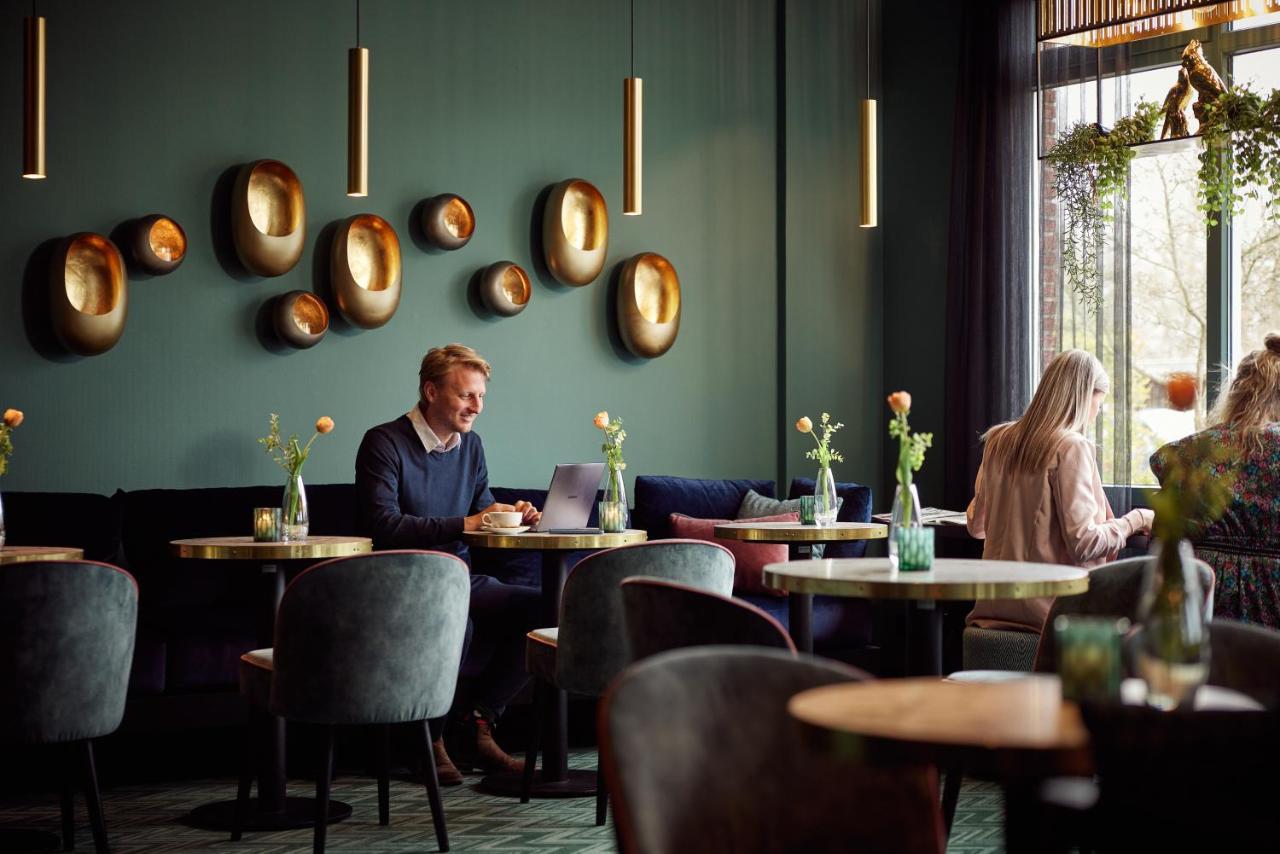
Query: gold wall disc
{"x": 365, "y": 266}
{"x": 648, "y": 304}
{"x": 575, "y": 232}
{"x": 88, "y": 293}
{"x": 505, "y": 288}
{"x": 300, "y": 318}
{"x": 158, "y": 244}
{"x": 268, "y": 218}
{"x": 448, "y": 221}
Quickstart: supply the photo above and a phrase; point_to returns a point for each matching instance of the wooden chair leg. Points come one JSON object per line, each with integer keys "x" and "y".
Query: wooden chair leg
{"x": 433, "y": 789}
{"x": 245, "y": 786}
{"x": 324, "y": 776}
{"x": 68, "y": 798}
{"x": 602, "y": 795}
{"x": 540, "y": 698}
{"x": 96, "y": 821}
{"x": 951, "y": 795}
{"x": 382, "y": 736}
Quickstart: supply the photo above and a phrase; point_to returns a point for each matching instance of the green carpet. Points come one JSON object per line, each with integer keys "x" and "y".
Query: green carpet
{"x": 146, "y": 819}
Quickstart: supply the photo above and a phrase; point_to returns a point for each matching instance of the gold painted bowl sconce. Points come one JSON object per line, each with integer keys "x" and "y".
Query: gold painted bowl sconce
{"x": 448, "y": 221}
{"x": 648, "y": 304}
{"x": 88, "y": 293}
{"x": 505, "y": 288}
{"x": 268, "y": 218}
{"x": 300, "y": 319}
{"x": 575, "y": 232}
{"x": 158, "y": 244}
{"x": 365, "y": 270}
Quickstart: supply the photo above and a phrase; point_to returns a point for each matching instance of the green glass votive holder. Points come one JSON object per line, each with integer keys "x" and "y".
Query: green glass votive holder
{"x": 1088, "y": 652}
{"x": 266, "y": 524}
{"x": 915, "y": 548}
{"x": 807, "y": 505}
{"x": 613, "y": 517}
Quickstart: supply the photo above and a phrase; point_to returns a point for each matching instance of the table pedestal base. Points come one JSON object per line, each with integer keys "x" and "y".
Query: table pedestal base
{"x": 576, "y": 784}
{"x": 297, "y": 812}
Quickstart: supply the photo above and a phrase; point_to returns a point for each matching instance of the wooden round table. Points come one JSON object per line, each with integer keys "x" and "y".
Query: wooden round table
{"x": 272, "y": 809}
{"x": 1015, "y": 731}
{"x": 800, "y": 605}
{"x": 554, "y": 780}
{"x": 874, "y": 578}
{"x": 27, "y": 554}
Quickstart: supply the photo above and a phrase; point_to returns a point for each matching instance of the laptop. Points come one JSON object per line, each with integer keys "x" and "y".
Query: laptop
{"x": 569, "y": 499}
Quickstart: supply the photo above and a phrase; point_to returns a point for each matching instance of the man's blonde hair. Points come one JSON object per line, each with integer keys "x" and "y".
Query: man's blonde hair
{"x": 439, "y": 361}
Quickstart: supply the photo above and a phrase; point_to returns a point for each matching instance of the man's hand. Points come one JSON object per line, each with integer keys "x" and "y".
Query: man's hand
{"x": 531, "y": 514}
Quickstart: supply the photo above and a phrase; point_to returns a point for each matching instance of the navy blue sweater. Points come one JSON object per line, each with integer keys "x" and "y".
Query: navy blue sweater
{"x": 410, "y": 499}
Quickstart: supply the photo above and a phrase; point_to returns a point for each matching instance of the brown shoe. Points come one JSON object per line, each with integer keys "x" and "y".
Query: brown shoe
{"x": 447, "y": 774}
{"x": 489, "y": 755}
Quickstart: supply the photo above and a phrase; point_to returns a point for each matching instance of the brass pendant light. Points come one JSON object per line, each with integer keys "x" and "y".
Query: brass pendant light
{"x": 358, "y": 116}
{"x": 33, "y": 96}
{"x": 632, "y": 130}
{"x": 870, "y": 214}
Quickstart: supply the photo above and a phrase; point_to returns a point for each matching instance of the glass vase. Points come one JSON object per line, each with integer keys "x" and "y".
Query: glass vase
{"x": 910, "y": 542}
{"x": 824, "y": 498}
{"x": 614, "y": 516}
{"x": 1171, "y": 651}
{"x": 294, "y": 520}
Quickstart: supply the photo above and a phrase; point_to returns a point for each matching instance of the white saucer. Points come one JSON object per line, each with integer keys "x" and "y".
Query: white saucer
{"x": 495, "y": 530}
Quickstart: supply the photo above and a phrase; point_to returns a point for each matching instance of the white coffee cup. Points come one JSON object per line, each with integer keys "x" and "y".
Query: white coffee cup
{"x": 502, "y": 519}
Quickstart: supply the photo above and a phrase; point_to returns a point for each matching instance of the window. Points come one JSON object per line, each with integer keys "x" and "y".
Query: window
{"x": 1177, "y": 296}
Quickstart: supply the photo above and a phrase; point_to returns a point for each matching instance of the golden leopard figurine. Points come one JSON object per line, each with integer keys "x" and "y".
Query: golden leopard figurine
{"x": 1175, "y": 107}
{"x": 1205, "y": 80}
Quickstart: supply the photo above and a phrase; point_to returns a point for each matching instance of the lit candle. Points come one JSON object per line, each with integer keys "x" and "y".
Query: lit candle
{"x": 266, "y": 524}
{"x": 612, "y": 516}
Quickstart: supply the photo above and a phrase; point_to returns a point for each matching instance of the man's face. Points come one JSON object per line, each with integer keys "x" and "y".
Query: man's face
{"x": 456, "y": 400}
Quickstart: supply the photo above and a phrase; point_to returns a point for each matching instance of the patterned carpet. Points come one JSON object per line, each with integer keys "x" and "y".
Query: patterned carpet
{"x": 145, "y": 819}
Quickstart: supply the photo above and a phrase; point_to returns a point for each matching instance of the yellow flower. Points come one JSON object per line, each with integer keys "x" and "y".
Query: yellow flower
{"x": 13, "y": 417}
{"x": 324, "y": 424}
{"x": 900, "y": 401}
{"x": 601, "y": 420}
{"x": 804, "y": 425}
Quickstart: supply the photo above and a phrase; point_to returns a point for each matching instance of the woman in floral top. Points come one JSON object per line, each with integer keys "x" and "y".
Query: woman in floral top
{"x": 1243, "y": 547}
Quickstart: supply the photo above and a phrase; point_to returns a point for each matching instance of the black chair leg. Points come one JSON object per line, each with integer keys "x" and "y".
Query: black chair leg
{"x": 433, "y": 789}
{"x": 68, "y": 799}
{"x": 245, "y": 786}
{"x": 382, "y": 736}
{"x": 602, "y": 794}
{"x": 951, "y": 795}
{"x": 540, "y": 698}
{"x": 100, "y": 844}
{"x": 324, "y": 776}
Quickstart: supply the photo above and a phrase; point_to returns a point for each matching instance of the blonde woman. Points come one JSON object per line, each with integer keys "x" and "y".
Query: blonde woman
{"x": 1243, "y": 547}
{"x": 1038, "y": 495}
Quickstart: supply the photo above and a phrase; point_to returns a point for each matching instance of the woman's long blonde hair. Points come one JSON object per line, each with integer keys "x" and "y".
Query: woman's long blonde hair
{"x": 1059, "y": 406}
{"x": 1252, "y": 401}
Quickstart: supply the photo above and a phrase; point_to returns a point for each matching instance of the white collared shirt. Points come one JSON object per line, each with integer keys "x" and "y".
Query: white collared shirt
{"x": 430, "y": 440}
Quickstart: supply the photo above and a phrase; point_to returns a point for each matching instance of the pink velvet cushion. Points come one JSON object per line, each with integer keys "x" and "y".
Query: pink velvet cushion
{"x": 749, "y": 558}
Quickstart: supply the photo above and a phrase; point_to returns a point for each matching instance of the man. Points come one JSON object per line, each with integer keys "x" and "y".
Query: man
{"x": 421, "y": 481}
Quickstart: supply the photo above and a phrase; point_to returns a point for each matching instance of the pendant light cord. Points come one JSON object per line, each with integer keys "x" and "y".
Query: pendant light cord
{"x": 633, "y": 37}
{"x": 868, "y": 50}
{"x": 357, "y": 23}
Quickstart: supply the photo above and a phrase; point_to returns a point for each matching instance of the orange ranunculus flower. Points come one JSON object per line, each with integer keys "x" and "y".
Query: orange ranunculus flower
{"x": 1182, "y": 388}
{"x": 601, "y": 420}
{"x": 13, "y": 417}
{"x": 900, "y": 401}
{"x": 324, "y": 424}
{"x": 804, "y": 425}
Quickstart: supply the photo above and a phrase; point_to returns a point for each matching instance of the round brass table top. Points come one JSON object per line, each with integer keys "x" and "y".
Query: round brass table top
{"x": 1020, "y": 723}
{"x": 27, "y": 554}
{"x": 556, "y": 542}
{"x": 794, "y": 532}
{"x": 244, "y": 548}
{"x": 872, "y": 578}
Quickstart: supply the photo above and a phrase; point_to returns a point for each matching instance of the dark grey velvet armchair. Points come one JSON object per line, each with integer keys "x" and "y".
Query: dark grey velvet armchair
{"x": 373, "y": 639}
{"x": 663, "y": 615}
{"x": 700, "y": 755}
{"x": 66, "y": 645}
{"x": 589, "y": 647}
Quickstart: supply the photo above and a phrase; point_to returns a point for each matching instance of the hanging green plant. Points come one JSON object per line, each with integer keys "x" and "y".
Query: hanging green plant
{"x": 1241, "y": 154}
{"x": 1090, "y": 166}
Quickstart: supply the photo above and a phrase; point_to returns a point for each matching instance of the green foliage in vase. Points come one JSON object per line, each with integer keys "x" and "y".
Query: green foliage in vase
{"x": 1241, "y": 154}
{"x": 289, "y": 454}
{"x": 1090, "y": 166}
{"x": 12, "y": 418}
{"x": 824, "y": 453}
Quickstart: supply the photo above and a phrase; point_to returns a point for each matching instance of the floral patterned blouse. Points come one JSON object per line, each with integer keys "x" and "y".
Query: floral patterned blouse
{"x": 1243, "y": 547}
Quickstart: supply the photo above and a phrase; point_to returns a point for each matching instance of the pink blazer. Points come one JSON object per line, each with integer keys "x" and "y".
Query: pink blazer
{"x": 1059, "y": 515}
